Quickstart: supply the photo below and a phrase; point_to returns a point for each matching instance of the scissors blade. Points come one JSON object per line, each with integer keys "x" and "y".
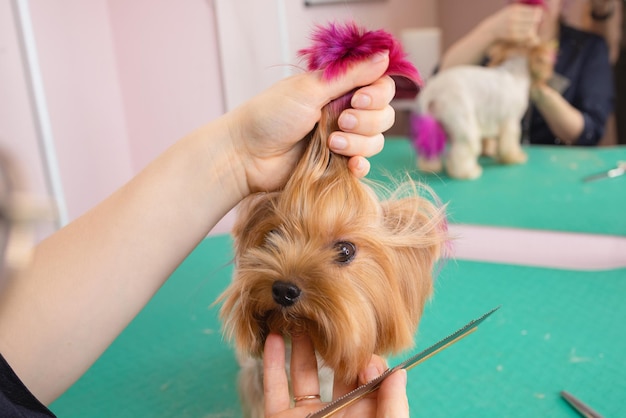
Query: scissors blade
{"x": 373, "y": 385}
{"x": 580, "y": 407}
{"x": 614, "y": 172}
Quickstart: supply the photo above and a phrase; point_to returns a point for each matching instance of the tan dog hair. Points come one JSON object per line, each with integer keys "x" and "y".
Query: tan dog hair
{"x": 541, "y": 57}
{"x": 351, "y": 310}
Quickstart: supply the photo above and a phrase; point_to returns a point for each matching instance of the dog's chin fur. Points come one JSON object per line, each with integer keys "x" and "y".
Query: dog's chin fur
{"x": 369, "y": 305}
{"x": 350, "y": 310}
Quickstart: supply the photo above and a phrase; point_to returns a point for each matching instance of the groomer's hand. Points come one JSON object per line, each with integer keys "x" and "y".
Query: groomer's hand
{"x": 389, "y": 401}
{"x": 515, "y": 23}
{"x": 267, "y": 131}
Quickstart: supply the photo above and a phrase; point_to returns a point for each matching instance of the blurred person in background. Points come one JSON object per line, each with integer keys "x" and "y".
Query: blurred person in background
{"x": 573, "y": 106}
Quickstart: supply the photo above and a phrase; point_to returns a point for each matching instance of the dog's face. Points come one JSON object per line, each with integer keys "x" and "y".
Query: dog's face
{"x": 327, "y": 258}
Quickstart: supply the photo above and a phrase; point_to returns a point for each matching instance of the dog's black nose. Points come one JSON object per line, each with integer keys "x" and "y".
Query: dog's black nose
{"x": 285, "y": 293}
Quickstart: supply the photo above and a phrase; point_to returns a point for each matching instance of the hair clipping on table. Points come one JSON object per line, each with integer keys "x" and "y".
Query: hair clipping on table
{"x": 337, "y": 46}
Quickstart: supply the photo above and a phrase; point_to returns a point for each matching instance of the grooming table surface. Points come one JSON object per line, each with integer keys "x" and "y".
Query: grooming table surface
{"x": 556, "y": 330}
{"x": 546, "y": 193}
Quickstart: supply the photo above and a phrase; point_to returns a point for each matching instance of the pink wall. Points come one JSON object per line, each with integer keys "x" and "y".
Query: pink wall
{"x": 125, "y": 79}
{"x": 168, "y": 65}
{"x": 17, "y": 130}
{"x": 84, "y": 98}
{"x": 457, "y": 18}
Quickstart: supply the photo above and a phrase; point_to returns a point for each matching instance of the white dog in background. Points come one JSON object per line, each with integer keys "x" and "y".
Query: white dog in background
{"x": 467, "y": 105}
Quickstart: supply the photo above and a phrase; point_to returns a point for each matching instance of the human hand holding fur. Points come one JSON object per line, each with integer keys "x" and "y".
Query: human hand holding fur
{"x": 514, "y": 23}
{"x": 269, "y": 143}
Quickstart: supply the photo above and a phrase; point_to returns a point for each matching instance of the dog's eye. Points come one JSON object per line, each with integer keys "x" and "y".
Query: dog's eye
{"x": 345, "y": 251}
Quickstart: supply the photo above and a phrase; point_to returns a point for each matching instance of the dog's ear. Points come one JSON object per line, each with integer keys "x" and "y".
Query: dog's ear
{"x": 415, "y": 221}
{"x": 254, "y": 220}
{"x": 418, "y": 235}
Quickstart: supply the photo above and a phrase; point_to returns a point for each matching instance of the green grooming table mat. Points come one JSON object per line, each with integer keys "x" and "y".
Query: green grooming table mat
{"x": 545, "y": 193}
{"x": 556, "y": 330}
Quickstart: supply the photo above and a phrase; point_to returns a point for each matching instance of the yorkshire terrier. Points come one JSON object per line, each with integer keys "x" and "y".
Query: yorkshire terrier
{"x": 326, "y": 256}
{"x": 471, "y": 107}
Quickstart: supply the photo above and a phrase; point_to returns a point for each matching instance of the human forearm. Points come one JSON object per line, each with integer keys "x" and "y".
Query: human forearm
{"x": 107, "y": 264}
{"x": 564, "y": 120}
{"x": 514, "y": 23}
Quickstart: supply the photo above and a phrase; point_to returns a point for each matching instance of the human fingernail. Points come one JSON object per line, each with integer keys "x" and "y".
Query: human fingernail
{"x": 347, "y": 121}
{"x": 361, "y": 100}
{"x": 338, "y": 143}
{"x": 362, "y": 167}
{"x": 378, "y": 57}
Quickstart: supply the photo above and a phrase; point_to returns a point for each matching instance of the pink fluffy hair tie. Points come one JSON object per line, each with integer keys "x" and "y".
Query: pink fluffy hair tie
{"x": 530, "y": 2}
{"x": 337, "y": 46}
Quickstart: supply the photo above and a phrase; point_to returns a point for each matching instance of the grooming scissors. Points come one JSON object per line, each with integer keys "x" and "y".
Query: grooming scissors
{"x": 373, "y": 385}
{"x": 580, "y": 407}
{"x": 614, "y": 172}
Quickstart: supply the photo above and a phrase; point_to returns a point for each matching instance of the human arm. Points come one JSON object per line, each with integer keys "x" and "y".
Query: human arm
{"x": 579, "y": 115}
{"x": 88, "y": 280}
{"x": 564, "y": 120}
{"x": 516, "y": 22}
{"x": 389, "y": 401}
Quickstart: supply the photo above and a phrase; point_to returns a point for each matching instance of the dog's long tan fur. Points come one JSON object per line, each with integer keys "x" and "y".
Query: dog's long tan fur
{"x": 371, "y": 304}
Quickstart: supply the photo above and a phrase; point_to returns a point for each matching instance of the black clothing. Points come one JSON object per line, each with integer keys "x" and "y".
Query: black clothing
{"x": 16, "y": 401}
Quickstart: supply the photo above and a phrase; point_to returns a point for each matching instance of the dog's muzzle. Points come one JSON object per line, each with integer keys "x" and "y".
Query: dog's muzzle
{"x": 285, "y": 293}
